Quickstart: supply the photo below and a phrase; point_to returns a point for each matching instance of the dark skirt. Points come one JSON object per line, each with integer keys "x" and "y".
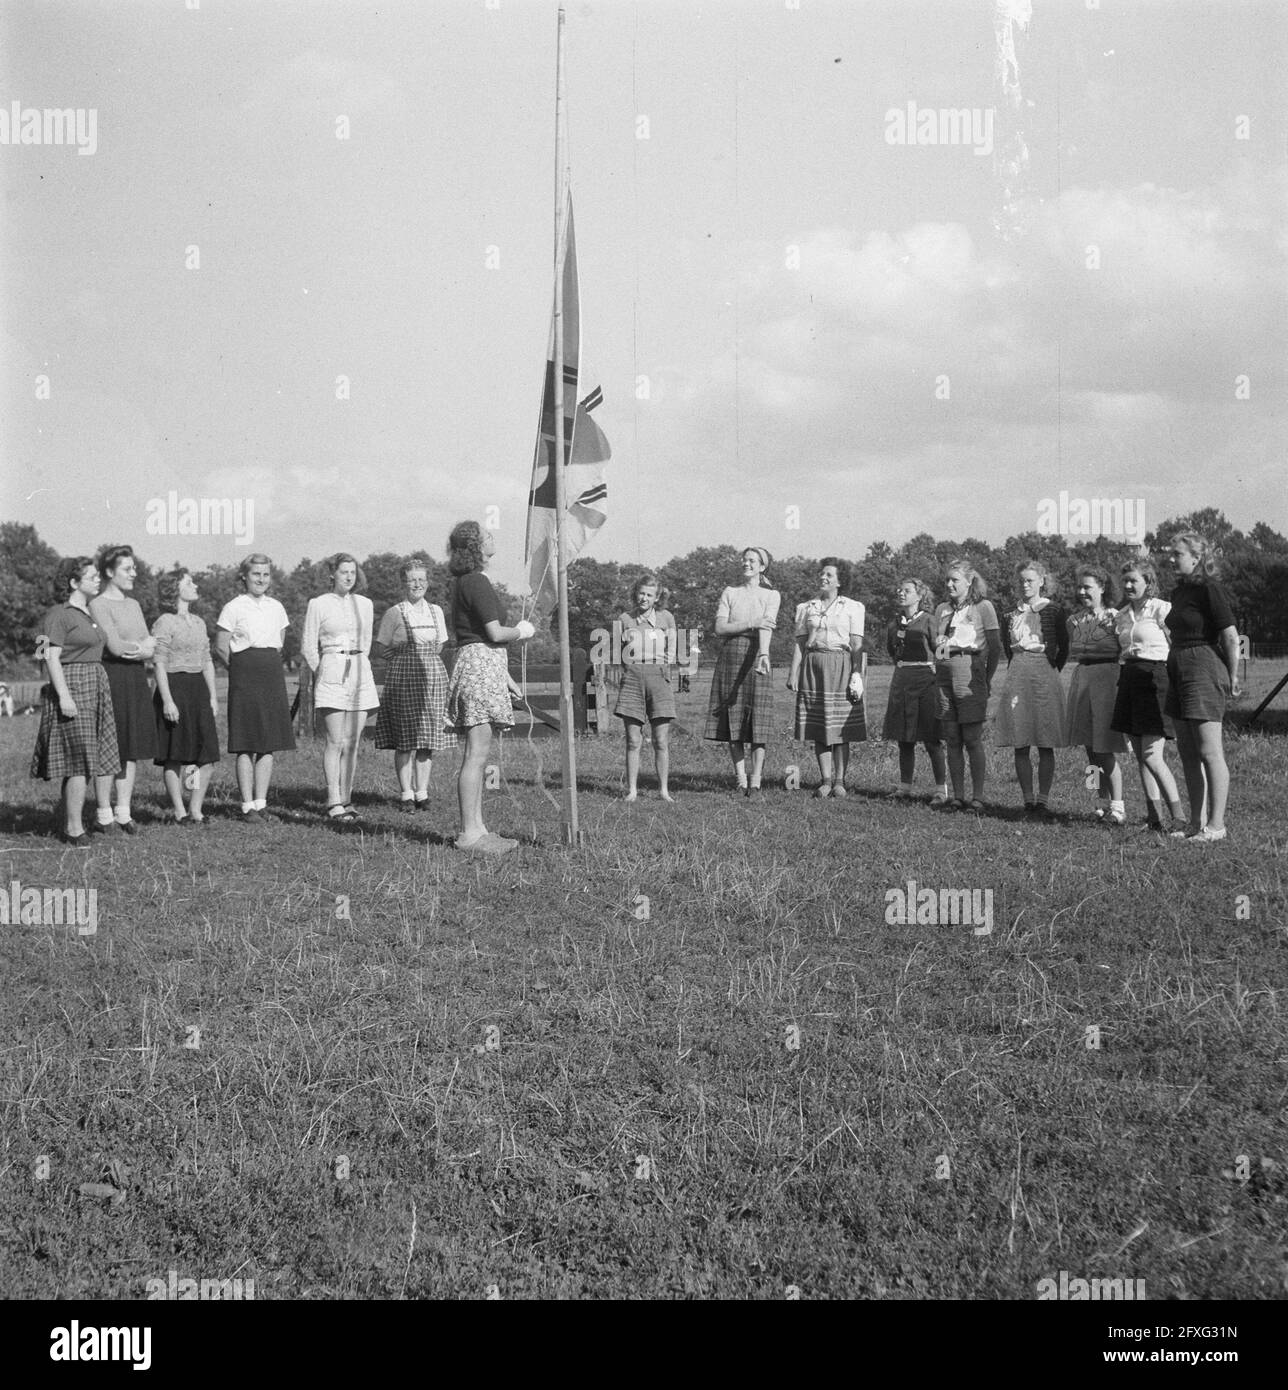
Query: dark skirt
{"x": 1198, "y": 684}
{"x": 413, "y": 703}
{"x": 1142, "y": 695}
{"x": 194, "y": 739}
{"x": 86, "y": 745}
{"x": 136, "y": 734}
{"x": 912, "y": 712}
{"x": 824, "y": 713}
{"x": 259, "y": 718}
{"x": 962, "y": 685}
{"x": 741, "y": 707}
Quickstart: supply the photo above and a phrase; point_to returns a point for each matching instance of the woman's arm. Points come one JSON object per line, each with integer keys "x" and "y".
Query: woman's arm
{"x": 54, "y": 665}
{"x": 498, "y": 633}
{"x": 222, "y": 647}
{"x": 103, "y": 612}
{"x": 1229, "y": 640}
{"x": 208, "y": 672}
{"x": 309, "y": 639}
{"x": 798, "y": 656}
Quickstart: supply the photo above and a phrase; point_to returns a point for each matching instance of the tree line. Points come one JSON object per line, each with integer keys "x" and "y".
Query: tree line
{"x": 1254, "y": 568}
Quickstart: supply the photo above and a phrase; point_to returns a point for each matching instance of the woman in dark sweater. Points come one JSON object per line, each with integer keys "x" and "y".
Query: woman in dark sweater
{"x": 1202, "y": 675}
{"x": 912, "y": 710}
{"x": 478, "y": 694}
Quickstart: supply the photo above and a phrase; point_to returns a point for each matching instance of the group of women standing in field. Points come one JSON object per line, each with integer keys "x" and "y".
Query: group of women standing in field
{"x": 99, "y": 718}
{"x": 1145, "y": 672}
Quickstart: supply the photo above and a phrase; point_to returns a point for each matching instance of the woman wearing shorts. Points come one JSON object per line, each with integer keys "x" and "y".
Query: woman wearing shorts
{"x": 647, "y": 693}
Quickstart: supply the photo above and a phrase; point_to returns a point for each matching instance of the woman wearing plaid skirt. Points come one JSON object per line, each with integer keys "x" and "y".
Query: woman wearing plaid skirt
{"x": 77, "y": 735}
{"x": 741, "y": 707}
{"x": 413, "y": 704}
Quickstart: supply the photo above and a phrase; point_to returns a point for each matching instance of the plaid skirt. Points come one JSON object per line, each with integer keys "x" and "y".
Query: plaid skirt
{"x": 824, "y": 713}
{"x": 86, "y": 745}
{"x": 413, "y": 704}
{"x": 479, "y": 692}
{"x": 741, "y": 707}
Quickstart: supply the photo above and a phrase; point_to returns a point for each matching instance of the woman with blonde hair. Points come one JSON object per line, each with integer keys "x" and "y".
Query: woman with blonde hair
{"x": 1139, "y": 704}
{"x": 251, "y": 631}
{"x": 336, "y": 645}
{"x": 647, "y": 693}
{"x": 912, "y": 710}
{"x": 1202, "y": 674}
{"x": 1035, "y": 638}
{"x": 967, "y": 650}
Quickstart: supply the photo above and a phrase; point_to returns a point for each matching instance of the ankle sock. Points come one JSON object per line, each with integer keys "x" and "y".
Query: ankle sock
{"x": 103, "y": 815}
{"x": 121, "y": 814}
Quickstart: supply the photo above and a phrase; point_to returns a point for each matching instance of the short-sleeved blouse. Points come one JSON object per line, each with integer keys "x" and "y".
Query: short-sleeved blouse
{"x": 253, "y": 622}
{"x": 74, "y": 632}
{"x": 183, "y": 644}
{"x": 474, "y": 605}
{"x": 965, "y": 627}
{"x": 749, "y": 609}
{"x": 831, "y": 627}
{"x": 644, "y": 638}
{"x": 1143, "y": 635}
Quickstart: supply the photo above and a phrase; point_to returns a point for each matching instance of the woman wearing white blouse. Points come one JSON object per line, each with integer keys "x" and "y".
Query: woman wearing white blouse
{"x": 828, "y": 664}
{"x": 336, "y": 642}
{"x": 251, "y": 630}
{"x": 741, "y": 707}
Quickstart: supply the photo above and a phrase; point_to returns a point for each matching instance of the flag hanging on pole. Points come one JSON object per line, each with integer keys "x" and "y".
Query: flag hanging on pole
{"x": 586, "y": 451}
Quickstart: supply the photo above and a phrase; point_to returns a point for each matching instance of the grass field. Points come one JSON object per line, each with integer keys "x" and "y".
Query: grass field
{"x": 690, "y": 1058}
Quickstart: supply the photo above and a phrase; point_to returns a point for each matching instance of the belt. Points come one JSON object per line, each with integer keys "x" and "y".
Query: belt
{"x": 1096, "y": 660}
{"x": 914, "y": 663}
{"x": 963, "y": 651}
{"x": 1146, "y": 660}
{"x": 341, "y": 651}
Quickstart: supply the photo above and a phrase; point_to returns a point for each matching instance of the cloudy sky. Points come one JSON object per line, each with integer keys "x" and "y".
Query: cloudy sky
{"x": 788, "y": 305}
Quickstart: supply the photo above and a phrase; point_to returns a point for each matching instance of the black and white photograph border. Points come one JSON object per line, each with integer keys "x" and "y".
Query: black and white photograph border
{"x": 898, "y": 433}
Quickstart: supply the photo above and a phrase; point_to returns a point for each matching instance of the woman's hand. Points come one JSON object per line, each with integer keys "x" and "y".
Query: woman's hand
{"x": 856, "y": 687}
{"x": 214, "y": 705}
{"x": 515, "y": 689}
{"x": 525, "y": 630}
{"x": 67, "y": 707}
{"x": 171, "y": 711}
{"x": 791, "y": 680}
{"x": 142, "y": 651}
{"x": 762, "y": 665}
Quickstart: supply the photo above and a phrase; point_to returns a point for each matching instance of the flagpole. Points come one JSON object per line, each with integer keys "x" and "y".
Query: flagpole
{"x": 571, "y": 832}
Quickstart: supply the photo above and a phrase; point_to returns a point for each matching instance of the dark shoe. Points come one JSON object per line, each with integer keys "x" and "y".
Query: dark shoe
{"x": 128, "y": 826}
{"x": 80, "y": 841}
{"x": 755, "y": 794}
{"x": 422, "y": 804}
{"x": 406, "y": 808}
{"x": 252, "y": 817}
{"x": 97, "y": 829}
